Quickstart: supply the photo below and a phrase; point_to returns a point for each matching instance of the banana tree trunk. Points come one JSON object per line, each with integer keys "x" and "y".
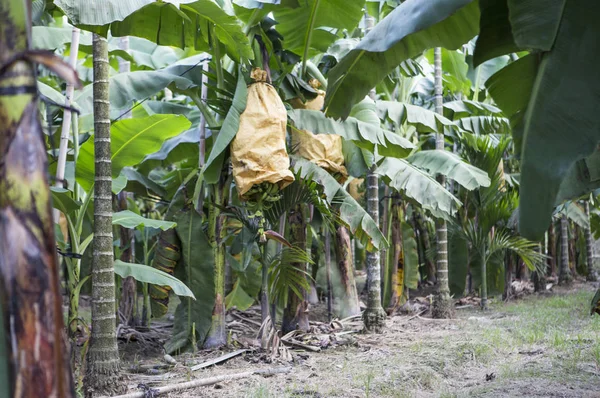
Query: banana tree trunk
{"x": 396, "y": 248}
{"x": 424, "y": 234}
{"x": 589, "y": 248}
{"x": 217, "y": 335}
{"x": 347, "y": 301}
{"x": 564, "y": 276}
{"x": 34, "y": 353}
{"x": 442, "y": 303}
{"x": 295, "y": 314}
{"x": 103, "y": 369}
{"x": 374, "y": 315}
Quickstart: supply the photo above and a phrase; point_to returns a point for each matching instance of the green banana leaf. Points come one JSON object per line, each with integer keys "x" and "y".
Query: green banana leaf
{"x": 575, "y": 213}
{"x": 147, "y": 274}
{"x": 310, "y": 28}
{"x": 351, "y": 213}
{"x": 535, "y": 23}
{"x": 238, "y": 298}
{"x": 480, "y": 125}
{"x": 125, "y": 88}
{"x": 424, "y": 120}
{"x": 231, "y": 124}
{"x": 413, "y": 27}
{"x": 140, "y": 184}
{"x": 62, "y": 200}
{"x": 129, "y": 219}
{"x": 561, "y": 124}
{"x": 418, "y": 186}
{"x": 180, "y": 23}
{"x": 455, "y": 110}
{"x": 365, "y": 135}
{"x": 131, "y": 141}
{"x": 496, "y": 35}
{"x": 197, "y": 272}
{"x": 411, "y": 257}
{"x": 452, "y": 166}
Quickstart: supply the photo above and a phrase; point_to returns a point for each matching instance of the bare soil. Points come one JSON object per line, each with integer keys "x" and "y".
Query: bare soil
{"x": 544, "y": 345}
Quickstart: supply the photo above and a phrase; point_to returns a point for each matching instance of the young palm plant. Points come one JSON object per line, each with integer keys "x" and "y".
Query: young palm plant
{"x": 487, "y": 231}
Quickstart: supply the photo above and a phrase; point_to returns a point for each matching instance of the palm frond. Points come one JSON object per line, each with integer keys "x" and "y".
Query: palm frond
{"x": 302, "y": 190}
{"x": 285, "y": 276}
{"x": 527, "y": 250}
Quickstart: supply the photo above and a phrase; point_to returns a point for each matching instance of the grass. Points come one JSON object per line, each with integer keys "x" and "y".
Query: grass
{"x": 535, "y": 346}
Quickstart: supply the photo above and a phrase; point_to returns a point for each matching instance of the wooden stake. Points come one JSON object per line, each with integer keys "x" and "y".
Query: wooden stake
{"x": 207, "y": 382}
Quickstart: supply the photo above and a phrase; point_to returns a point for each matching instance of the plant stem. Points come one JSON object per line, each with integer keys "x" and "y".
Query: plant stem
{"x": 308, "y": 36}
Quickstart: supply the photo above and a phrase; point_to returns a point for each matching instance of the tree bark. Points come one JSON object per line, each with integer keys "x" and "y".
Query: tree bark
{"x": 564, "y": 276}
{"x": 589, "y": 248}
{"x": 442, "y": 303}
{"x": 347, "y": 303}
{"x": 374, "y": 315}
{"x": 102, "y": 370}
{"x": 295, "y": 314}
{"x": 34, "y": 352}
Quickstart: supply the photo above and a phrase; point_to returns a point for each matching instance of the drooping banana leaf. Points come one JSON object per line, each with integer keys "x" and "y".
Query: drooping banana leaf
{"x": 131, "y": 141}
{"x": 131, "y": 220}
{"x": 166, "y": 257}
{"x": 130, "y": 86}
{"x": 197, "y": 273}
{"x": 180, "y": 23}
{"x": 480, "y": 125}
{"x": 425, "y": 120}
{"x": 363, "y": 134}
{"x": 411, "y": 257}
{"x": 413, "y": 27}
{"x": 351, "y": 213}
{"x": 561, "y": 124}
{"x": 575, "y": 213}
{"x": 450, "y": 165}
{"x": 418, "y": 186}
{"x": 495, "y": 36}
{"x": 147, "y": 274}
{"x": 455, "y": 110}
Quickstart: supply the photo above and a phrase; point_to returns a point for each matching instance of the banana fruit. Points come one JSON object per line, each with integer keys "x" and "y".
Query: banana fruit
{"x": 259, "y": 199}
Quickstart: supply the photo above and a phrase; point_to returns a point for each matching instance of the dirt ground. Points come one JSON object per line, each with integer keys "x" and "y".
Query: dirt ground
{"x": 544, "y": 345}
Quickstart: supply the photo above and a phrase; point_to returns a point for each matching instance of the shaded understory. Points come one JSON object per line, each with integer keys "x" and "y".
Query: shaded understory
{"x": 541, "y": 346}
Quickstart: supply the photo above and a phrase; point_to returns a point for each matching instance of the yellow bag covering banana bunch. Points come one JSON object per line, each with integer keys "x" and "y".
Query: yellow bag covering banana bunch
{"x": 261, "y": 166}
{"x": 325, "y": 150}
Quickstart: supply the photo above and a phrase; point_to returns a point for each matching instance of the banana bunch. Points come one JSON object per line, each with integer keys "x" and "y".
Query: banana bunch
{"x": 260, "y": 198}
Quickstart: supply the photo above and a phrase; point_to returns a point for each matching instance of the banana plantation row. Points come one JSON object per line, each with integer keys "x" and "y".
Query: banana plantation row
{"x": 233, "y": 152}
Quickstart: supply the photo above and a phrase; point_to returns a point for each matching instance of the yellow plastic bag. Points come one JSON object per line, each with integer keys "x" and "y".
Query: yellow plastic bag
{"x": 258, "y": 152}
{"x": 325, "y": 150}
{"x": 315, "y": 104}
